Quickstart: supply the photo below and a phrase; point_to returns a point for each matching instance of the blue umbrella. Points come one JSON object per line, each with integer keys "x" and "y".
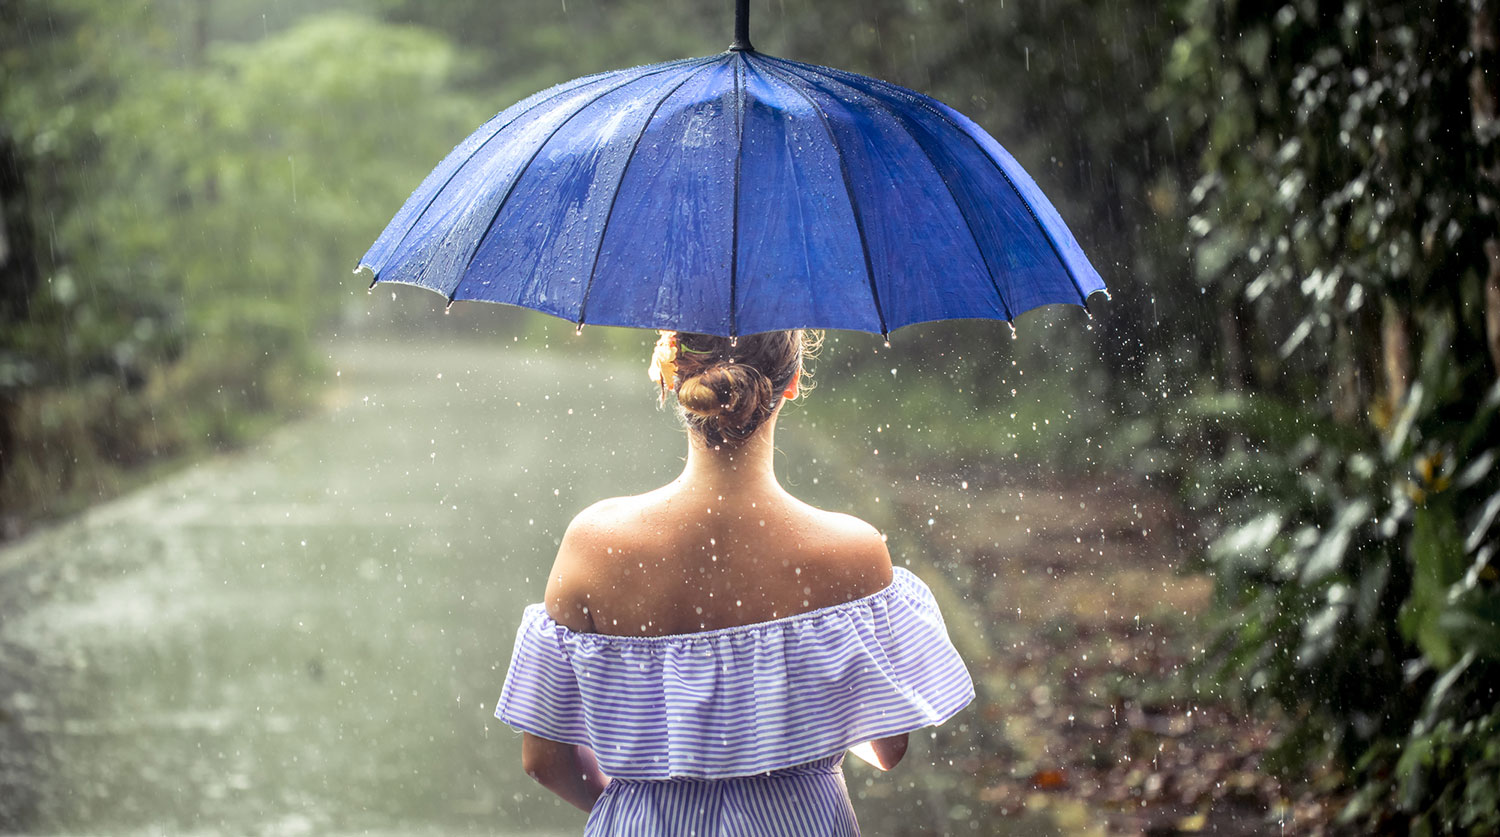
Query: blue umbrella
{"x": 735, "y": 194}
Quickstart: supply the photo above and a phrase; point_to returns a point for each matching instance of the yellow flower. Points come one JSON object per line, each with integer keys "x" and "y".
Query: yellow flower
{"x": 1435, "y": 476}
{"x": 663, "y": 368}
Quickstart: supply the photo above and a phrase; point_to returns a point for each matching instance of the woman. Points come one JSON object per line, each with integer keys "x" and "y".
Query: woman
{"x": 707, "y": 651}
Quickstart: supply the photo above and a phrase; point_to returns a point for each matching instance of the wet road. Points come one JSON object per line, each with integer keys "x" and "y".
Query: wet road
{"x": 308, "y": 637}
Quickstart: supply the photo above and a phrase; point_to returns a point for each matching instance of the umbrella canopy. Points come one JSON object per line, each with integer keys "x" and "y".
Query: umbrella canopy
{"x": 735, "y": 194}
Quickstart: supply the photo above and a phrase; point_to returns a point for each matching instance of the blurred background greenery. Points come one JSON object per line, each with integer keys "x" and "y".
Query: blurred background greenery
{"x": 1294, "y": 206}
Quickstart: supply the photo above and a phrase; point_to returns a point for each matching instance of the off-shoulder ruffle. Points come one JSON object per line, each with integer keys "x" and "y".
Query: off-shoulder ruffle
{"x": 743, "y": 700}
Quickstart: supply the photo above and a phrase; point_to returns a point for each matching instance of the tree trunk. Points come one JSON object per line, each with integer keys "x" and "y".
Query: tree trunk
{"x": 202, "y": 34}
{"x": 18, "y": 269}
{"x": 1395, "y": 351}
{"x": 19, "y": 275}
{"x": 1346, "y": 386}
{"x": 1492, "y": 305}
{"x": 1235, "y": 346}
{"x": 1484, "y": 89}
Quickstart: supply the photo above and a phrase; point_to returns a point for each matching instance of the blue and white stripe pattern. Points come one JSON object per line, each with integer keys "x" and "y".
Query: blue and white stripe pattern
{"x": 809, "y": 800}
{"x": 771, "y": 701}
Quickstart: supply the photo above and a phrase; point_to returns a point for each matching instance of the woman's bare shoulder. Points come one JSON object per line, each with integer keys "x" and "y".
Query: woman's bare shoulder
{"x": 601, "y": 519}
{"x": 596, "y": 539}
{"x": 853, "y": 554}
{"x": 617, "y": 522}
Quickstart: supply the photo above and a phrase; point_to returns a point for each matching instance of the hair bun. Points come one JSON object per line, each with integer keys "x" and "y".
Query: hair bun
{"x": 728, "y": 395}
{"x": 726, "y": 387}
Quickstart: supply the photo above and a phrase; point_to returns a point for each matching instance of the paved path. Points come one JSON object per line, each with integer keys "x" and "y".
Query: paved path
{"x": 308, "y": 637}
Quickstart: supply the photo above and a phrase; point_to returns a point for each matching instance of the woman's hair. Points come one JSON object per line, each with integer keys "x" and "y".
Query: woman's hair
{"x": 728, "y": 388}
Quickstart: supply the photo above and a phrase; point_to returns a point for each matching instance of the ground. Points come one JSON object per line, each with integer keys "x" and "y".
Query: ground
{"x": 1086, "y": 597}
{"x": 308, "y": 636}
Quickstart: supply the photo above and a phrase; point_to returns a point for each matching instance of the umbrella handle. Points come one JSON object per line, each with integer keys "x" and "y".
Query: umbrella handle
{"x": 741, "y": 27}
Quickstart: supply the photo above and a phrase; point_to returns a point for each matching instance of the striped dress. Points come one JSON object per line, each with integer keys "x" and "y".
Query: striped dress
{"x": 742, "y": 730}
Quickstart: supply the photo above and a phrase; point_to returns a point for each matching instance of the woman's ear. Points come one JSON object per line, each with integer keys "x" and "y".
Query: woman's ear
{"x": 794, "y": 387}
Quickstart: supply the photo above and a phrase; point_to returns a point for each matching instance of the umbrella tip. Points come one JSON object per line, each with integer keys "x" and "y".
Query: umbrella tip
{"x": 364, "y": 268}
{"x": 448, "y": 309}
{"x": 1012, "y": 329}
{"x": 579, "y": 330}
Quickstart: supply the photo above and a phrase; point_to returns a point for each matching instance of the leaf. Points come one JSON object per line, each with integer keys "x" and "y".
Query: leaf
{"x": 1298, "y": 335}
{"x": 1251, "y": 538}
{"x": 1049, "y": 780}
{"x": 1476, "y": 470}
{"x": 1193, "y": 823}
{"x": 1319, "y": 633}
{"x": 1439, "y": 693}
{"x": 1411, "y": 771}
{"x": 1328, "y": 555}
{"x": 1482, "y": 523}
{"x": 1437, "y": 564}
{"x": 1372, "y": 583}
{"x": 1474, "y": 620}
{"x": 1402, "y": 428}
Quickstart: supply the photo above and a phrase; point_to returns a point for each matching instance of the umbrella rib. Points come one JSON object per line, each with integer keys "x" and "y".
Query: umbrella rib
{"x": 923, "y": 102}
{"x": 734, "y": 237}
{"x": 859, "y": 224}
{"x": 610, "y": 214}
{"x": 487, "y": 140}
{"x": 969, "y": 225}
{"x": 456, "y": 169}
{"x": 510, "y": 190}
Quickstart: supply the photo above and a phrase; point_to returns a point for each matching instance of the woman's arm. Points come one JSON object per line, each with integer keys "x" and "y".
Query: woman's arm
{"x": 882, "y": 753}
{"x": 889, "y": 751}
{"x": 568, "y": 770}
{"x": 863, "y": 568}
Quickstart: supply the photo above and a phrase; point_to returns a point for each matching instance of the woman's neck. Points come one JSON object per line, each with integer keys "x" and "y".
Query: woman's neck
{"x": 748, "y": 465}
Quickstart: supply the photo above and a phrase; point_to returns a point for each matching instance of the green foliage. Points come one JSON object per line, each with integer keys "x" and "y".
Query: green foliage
{"x": 295, "y": 150}
{"x": 1309, "y": 370}
{"x": 202, "y": 204}
{"x": 1343, "y": 200}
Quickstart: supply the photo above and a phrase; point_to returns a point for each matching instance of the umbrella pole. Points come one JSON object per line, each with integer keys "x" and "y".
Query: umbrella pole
{"x": 741, "y": 27}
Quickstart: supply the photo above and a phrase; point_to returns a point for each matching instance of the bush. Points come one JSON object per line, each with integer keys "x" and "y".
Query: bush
{"x": 1348, "y": 199}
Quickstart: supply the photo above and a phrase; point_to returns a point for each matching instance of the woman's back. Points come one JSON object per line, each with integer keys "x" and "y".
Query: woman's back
{"x": 691, "y": 557}
{"x": 706, "y": 652}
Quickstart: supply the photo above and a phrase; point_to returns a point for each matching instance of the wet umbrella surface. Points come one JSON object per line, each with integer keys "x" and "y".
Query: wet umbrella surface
{"x": 735, "y": 194}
